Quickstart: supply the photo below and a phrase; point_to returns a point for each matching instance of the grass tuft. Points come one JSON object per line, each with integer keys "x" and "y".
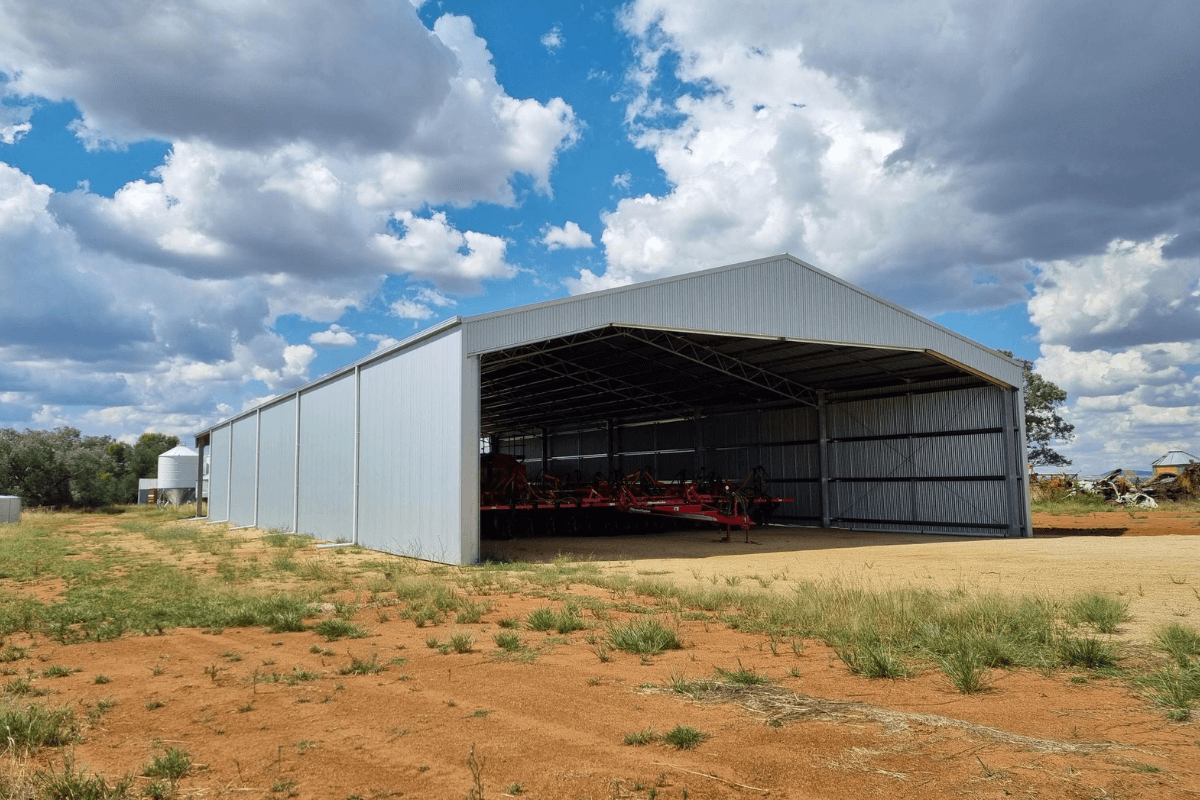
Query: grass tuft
{"x": 32, "y": 726}
{"x": 684, "y": 737}
{"x": 1085, "y": 651}
{"x": 1179, "y": 641}
{"x": 363, "y": 666}
{"x": 333, "y": 629}
{"x": 1102, "y": 612}
{"x": 643, "y": 637}
{"x": 640, "y": 738}
{"x": 172, "y": 765}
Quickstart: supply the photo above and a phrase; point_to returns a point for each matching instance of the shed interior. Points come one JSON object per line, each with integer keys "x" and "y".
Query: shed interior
{"x": 852, "y": 436}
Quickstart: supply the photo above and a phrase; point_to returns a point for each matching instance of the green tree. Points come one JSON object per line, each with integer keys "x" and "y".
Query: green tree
{"x": 1044, "y": 425}
{"x": 62, "y": 467}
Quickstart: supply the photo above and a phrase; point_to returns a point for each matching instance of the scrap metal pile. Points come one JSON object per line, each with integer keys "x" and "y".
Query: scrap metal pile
{"x": 512, "y": 504}
{"x": 1164, "y": 486}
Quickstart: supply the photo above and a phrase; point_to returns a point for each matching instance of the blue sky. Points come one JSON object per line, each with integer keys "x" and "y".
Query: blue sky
{"x": 196, "y": 217}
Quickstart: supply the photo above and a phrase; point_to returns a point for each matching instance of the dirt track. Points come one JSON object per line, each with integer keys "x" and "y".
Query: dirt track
{"x": 1151, "y": 560}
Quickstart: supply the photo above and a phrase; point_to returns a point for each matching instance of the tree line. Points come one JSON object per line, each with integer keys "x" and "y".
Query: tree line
{"x": 63, "y": 468}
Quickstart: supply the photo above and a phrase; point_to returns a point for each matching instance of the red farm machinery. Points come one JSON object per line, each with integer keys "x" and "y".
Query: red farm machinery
{"x": 513, "y": 504}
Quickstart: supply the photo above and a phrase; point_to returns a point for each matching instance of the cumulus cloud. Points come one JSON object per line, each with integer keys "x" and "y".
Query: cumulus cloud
{"x": 334, "y": 336}
{"x": 928, "y": 152}
{"x": 553, "y": 38}
{"x": 1120, "y": 333}
{"x": 421, "y": 306}
{"x": 570, "y": 236}
{"x": 306, "y": 150}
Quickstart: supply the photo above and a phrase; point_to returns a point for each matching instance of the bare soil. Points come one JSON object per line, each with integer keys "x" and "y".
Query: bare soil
{"x": 549, "y": 723}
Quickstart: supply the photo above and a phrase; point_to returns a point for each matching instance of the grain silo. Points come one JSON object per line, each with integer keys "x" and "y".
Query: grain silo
{"x": 177, "y": 476}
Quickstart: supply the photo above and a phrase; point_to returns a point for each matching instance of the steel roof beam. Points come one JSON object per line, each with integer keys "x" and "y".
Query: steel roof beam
{"x": 716, "y": 360}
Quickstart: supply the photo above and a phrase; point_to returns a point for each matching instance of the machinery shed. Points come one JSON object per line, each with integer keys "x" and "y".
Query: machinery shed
{"x": 861, "y": 414}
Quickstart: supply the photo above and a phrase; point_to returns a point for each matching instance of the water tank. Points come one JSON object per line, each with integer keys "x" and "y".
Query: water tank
{"x": 177, "y": 468}
{"x": 10, "y": 508}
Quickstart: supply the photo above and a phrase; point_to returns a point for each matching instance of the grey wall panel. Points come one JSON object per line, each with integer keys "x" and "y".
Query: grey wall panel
{"x": 778, "y": 296}
{"x": 277, "y": 465}
{"x": 327, "y": 460}
{"x": 218, "y": 477}
{"x": 244, "y": 445}
{"x": 950, "y": 483}
{"x": 410, "y": 467}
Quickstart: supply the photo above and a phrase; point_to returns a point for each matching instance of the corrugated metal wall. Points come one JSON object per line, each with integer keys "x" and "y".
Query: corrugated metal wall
{"x": 327, "y": 460}
{"x": 218, "y": 477}
{"x": 933, "y": 462}
{"x": 922, "y": 462}
{"x": 244, "y": 446}
{"x": 779, "y": 296}
{"x": 277, "y": 465}
{"x": 410, "y": 471}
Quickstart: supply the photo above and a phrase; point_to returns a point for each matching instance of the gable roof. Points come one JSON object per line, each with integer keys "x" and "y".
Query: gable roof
{"x": 1175, "y": 458}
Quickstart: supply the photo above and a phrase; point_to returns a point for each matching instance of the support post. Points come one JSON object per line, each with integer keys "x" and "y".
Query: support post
{"x": 1016, "y": 473}
{"x": 545, "y": 451}
{"x": 200, "y": 475}
{"x": 610, "y": 426}
{"x": 823, "y": 457}
{"x": 257, "y": 455}
{"x": 357, "y": 409}
{"x": 296, "y": 473}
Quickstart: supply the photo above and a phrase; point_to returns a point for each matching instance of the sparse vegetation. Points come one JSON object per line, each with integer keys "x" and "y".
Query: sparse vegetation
{"x": 27, "y": 727}
{"x": 643, "y": 637}
{"x": 336, "y": 628}
{"x": 172, "y": 765}
{"x": 1102, "y": 612}
{"x": 684, "y": 737}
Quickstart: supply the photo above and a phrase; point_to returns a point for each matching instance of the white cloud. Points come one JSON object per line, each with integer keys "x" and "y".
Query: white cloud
{"x": 570, "y": 236}
{"x": 1127, "y": 295}
{"x": 334, "y": 336}
{"x": 305, "y": 150}
{"x": 553, "y": 39}
{"x": 407, "y": 308}
{"x": 1120, "y": 333}
{"x": 382, "y": 342}
{"x": 622, "y": 180}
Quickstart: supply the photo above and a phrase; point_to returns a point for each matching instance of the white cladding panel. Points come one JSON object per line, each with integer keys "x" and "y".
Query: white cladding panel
{"x": 277, "y": 465}
{"x": 241, "y": 487}
{"x": 218, "y": 477}
{"x": 410, "y": 462}
{"x": 779, "y": 296}
{"x": 327, "y": 460}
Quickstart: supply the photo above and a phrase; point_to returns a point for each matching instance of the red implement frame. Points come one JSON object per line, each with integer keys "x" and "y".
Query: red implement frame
{"x": 506, "y": 487}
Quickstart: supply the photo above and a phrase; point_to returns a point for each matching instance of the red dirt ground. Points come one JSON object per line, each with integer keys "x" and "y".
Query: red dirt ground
{"x": 553, "y": 726}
